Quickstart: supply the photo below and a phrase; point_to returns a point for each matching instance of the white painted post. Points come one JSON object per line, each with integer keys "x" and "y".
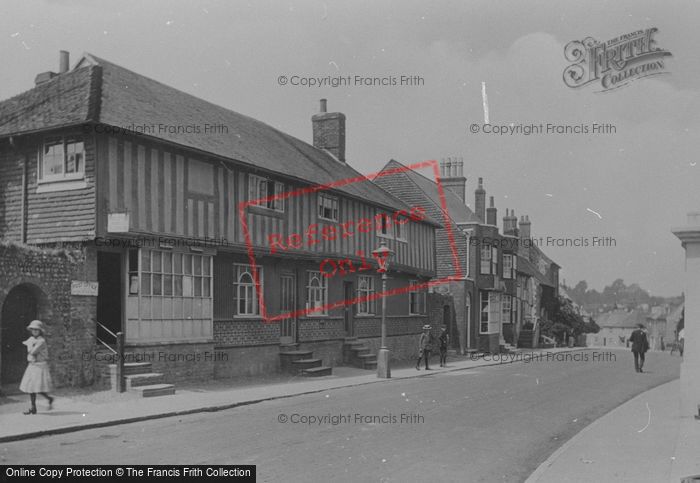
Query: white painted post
{"x": 690, "y": 367}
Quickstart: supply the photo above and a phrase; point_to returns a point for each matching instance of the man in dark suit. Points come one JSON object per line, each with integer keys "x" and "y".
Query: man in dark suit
{"x": 640, "y": 344}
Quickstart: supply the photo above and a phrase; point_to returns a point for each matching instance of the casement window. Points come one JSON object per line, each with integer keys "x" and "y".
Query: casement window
{"x": 416, "y": 300}
{"x": 486, "y": 254}
{"x": 384, "y": 225}
{"x": 317, "y": 294}
{"x": 245, "y": 292}
{"x": 510, "y": 265}
{"x": 494, "y": 261}
{"x": 169, "y": 296}
{"x": 506, "y": 308}
{"x": 490, "y": 313}
{"x": 365, "y": 288}
{"x": 265, "y": 190}
{"x": 484, "y": 313}
{"x": 62, "y": 158}
{"x": 168, "y": 274}
{"x": 328, "y": 207}
{"x": 399, "y": 230}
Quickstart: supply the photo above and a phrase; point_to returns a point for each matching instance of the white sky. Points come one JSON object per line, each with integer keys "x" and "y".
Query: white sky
{"x": 641, "y": 180}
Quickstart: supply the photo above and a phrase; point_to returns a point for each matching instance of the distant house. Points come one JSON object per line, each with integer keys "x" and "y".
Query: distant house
{"x": 617, "y": 325}
{"x": 501, "y": 281}
{"x": 142, "y": 184}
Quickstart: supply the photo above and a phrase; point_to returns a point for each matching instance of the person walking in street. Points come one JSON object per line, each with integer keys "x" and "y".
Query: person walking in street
{"x": 425, "y": 346}
{"x": 681, "y": 340}
{"x": 640, "y": 345}
{"x": 37, "y": 378}
{"x": 444, "y": 339}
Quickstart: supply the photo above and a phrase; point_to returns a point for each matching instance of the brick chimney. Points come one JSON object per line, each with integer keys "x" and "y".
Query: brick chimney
{"x": 480, "y": 201}
{"x": 452, "y": 176}
{"x": 507, "y": 223}
{"x": 491, "y": 214}
{"x": 525, "y": 227}
{"x": 510, "y": 223}
{"x": 329, "y": 131}
{"x": 63, "y": 66}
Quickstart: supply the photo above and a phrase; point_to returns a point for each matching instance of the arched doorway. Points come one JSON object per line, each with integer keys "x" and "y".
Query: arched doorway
{"x": 23, "y": 304}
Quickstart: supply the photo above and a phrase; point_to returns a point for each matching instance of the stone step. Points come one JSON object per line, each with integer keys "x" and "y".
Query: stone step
{"x": 287, "y": 358}
{"x": 296, "y": 353}
{"x": 370, "y": 365}
{"x": 317, "y": 371}
{"x": 148, "y": 379}
{"x": 131, "y": 368}
{"x": 307, "y": 363}
{"x": 154, "y": 390}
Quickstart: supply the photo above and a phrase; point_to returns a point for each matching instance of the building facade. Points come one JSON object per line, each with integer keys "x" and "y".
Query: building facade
{"x": 504, "y": 279}
{"x": 199, "y": 231}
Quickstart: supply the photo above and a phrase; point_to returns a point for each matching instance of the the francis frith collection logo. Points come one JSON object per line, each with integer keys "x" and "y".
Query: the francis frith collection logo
{"x": 616, "y": 62}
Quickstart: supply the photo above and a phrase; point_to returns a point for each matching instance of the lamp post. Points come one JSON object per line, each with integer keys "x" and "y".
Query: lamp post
{"x": 382, "y": 254}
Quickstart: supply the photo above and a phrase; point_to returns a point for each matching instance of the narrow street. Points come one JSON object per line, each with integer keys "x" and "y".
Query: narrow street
{"x": 490, "y": 424}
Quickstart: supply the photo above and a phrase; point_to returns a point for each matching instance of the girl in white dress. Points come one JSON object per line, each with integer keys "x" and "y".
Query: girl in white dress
{"x": 37, "y": 378}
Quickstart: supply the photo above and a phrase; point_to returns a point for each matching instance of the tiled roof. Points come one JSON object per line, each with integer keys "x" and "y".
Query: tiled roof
{"x": 457, "y": 210}
{"x": 621, "y": 319}
{"x": 102, "y": 92}
{"x": 64, "y": 100}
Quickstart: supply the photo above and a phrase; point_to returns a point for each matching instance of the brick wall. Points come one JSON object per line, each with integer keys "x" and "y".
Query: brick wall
{"x": 245, "y": 332}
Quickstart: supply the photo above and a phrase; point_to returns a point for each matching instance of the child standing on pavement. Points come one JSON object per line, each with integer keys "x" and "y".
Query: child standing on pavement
{"x": 37, "y": 378}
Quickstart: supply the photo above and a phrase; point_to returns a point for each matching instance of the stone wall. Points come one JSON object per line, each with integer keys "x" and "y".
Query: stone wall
{"x": 45, "y": 276}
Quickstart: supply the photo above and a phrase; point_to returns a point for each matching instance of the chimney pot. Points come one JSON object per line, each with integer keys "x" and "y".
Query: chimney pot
{"x": 323, "y": 105}
{"x": 491, "y": 213}
{"x": 64, "y": 60}
{"x": 480, "y": 201}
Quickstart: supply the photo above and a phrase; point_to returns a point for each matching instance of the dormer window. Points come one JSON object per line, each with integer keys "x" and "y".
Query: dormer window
{"x": 62, "y": 159}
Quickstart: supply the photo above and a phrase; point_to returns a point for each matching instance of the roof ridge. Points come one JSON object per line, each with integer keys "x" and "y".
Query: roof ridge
{"x": 438, "y": 207}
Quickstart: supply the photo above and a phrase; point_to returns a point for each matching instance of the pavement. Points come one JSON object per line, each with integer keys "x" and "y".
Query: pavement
{"x": 642, "y": 440}
{"x": 645, "y": 439}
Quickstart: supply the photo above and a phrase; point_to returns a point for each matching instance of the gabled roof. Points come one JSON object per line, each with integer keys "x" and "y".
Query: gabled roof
{"x": 457, "y": 210}
{"x": 99, "y": 91}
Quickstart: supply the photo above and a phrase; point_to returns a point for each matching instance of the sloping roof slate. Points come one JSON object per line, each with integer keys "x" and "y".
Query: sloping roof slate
{"x": 62, "y": 101}
{"x": 99, "y": 91}
{"x": 457, "y": 210}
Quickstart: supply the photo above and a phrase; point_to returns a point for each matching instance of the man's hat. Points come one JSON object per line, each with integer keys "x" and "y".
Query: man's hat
{"x": 36, "y": 324}
{"x": 427, "y": 327}
{"x": 640, "y": 325}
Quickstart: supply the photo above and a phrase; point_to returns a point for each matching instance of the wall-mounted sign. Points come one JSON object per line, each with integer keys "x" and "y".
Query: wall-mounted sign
{"x": 87, "y": 289}
{"x": 118, "y": 222}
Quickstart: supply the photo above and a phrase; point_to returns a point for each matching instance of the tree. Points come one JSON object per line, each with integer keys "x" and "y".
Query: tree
{"x": 564, "y": 320}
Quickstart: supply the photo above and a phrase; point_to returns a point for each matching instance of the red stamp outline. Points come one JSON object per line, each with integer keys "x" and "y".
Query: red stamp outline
{"x": 377, "y": 295}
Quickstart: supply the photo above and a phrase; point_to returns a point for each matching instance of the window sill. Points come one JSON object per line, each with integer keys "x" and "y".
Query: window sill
{"x": 327, "y": 220}
{"x": 262, "y": 210}
{"x": 63, "y": 185}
